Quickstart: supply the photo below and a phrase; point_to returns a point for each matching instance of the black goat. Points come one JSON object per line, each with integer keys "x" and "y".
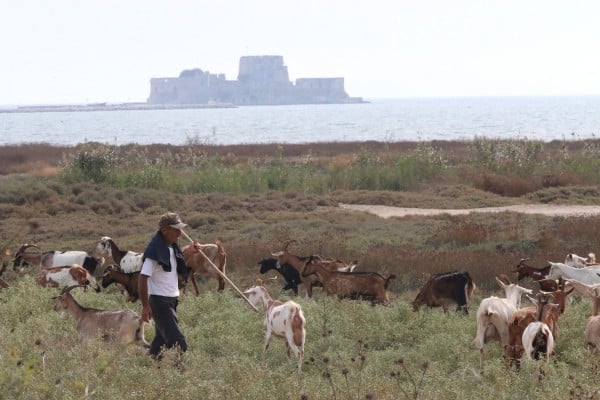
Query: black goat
{"x": 289, "y": 273}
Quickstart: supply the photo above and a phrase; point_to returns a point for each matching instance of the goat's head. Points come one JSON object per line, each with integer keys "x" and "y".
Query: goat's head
{"x": 19, "y": 254}
{"x": 65, "y": 296}
{"x": 257, "y": 295}
{"x": 311, "y": 266}
{"x": 522, "y": 263}
{"x": 513, "y": 291}
{"x": 267, "y": 264}
{"x": 103, "y": 248}
{"x": 107, "y": 277}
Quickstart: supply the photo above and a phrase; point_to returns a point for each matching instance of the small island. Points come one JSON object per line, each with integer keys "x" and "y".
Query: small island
{"x": 262, "y": 80}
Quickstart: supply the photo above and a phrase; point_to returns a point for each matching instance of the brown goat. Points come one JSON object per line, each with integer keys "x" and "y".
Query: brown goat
{"x": 200, "y": 266}
{"x": 523, "y": 270}
{"x": 521, "y": 318}
{"x": 66, "y": 276}
{"x": 130, "y": 281}
{"x": 367, "y": 285}
{"x": 444, "y": 289}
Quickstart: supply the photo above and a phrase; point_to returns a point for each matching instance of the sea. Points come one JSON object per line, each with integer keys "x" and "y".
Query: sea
{"x": 385, "y": 120}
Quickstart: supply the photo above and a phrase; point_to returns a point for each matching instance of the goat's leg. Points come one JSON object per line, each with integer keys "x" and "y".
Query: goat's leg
{"x": 309, "y": 290}
{"x": 193, "y": 277}
{"x": 481, "y": 360}
{"x": 267, "y": 339}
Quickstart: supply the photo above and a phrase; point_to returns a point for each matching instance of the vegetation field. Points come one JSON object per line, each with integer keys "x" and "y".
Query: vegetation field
{"x": 255, "y": 197}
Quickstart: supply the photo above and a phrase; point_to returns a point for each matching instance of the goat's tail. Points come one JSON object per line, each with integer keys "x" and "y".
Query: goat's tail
{"x": 388, "y": 279}
{"x": 537, "y": 340}
{"x": 298, "y": 323}
{"x": 222, "y": 255}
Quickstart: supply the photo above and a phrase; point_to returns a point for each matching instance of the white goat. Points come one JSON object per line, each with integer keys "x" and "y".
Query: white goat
{"x": 588, "y": 275}
{"x": 537, "y": 338}
{"x": 493, "y": 315}
{"x": 284, "y": 320}
{"x": 125, "y": 325}
{"x": 56, "y": 258}
{"x": 127, "y": 260}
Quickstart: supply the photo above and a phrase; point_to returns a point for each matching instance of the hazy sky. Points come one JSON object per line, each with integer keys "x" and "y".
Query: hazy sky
{"x": 79, "y": 51}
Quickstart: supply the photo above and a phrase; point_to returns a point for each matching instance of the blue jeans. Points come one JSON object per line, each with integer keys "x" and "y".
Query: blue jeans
{"x": 168, "y": 334}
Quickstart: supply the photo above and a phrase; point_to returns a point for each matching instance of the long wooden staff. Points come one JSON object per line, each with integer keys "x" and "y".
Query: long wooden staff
{"x": 221, "y": 273}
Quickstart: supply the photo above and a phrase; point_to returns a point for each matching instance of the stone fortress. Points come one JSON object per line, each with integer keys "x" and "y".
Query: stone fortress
{"x": 262, "y": 80}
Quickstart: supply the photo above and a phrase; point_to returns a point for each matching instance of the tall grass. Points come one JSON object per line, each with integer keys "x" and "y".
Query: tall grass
{"x": 353, "y": 351}
{"x": 506, "y": 167}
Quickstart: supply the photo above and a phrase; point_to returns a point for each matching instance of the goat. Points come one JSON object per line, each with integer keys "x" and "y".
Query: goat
{"x": 23, "y": 257}
{"x": 592, "y": 328}
{"x": 588, "y": 275}
{"x": 310, "y": 281}
{"x": 199, "y": 265}
{"x": 127, "y": 260}
{"x": 538, "y": 339}
{"x": 289, "y": 273}
{"x": 444, "y": 289}
{"x": 368, "y": 285}
{"x": 56, "y": 258}
{"x": 66, "y": 276}
{"x": 285, "y": 257}
{"x": 583, "y": 289}
{"x": 548, "y": 285}
{"x": 493, "y": 315}
{"x": 523, "y": 270}
{"x": 521, "y": 318}
{"x": 284, "y": 320}
{"x": 125, "y": 325}
{"x": 129, "y": 281}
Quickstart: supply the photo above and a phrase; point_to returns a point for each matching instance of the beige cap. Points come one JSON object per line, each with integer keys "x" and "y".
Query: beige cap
{"x": 171, "y": 219}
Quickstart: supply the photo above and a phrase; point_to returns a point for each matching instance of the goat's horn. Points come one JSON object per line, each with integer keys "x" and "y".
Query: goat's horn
{"x": 285, "y": 244}
{"x": 25, "y": 247}
{"x": 67, "y": 289}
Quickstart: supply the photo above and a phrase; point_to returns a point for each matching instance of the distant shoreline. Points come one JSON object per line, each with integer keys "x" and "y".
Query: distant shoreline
{"x": 110, "y": 107}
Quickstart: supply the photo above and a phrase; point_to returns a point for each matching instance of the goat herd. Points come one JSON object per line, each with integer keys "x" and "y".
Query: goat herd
{"x": 530, "y": 331}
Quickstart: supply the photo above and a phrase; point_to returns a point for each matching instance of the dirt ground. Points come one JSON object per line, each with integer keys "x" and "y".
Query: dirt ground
{"x": 544, "y": 209}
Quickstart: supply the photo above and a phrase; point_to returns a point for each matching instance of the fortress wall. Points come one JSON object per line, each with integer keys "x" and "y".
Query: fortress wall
{"x": 262, "y": 80}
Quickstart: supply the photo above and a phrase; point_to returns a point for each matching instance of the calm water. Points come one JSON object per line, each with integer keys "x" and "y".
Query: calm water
{"x": 542, "y": 118}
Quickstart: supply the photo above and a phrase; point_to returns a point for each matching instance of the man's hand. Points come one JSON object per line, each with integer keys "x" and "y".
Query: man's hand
{"x": 146, "y": 314}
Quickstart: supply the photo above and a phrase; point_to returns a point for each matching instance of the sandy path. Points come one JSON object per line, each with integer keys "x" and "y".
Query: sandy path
{"x": 544, "y": 209}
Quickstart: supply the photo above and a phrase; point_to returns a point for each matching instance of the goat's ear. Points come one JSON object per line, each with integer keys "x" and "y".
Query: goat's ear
{"x": 279, "y": 253}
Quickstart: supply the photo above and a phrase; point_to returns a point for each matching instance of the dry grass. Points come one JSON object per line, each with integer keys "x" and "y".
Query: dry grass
{"x": 353, "y": 350}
